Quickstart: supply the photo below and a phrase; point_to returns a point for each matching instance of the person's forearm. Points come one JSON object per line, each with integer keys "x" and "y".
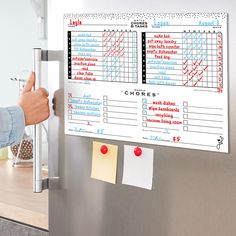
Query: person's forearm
{"x": 12, "y": 125}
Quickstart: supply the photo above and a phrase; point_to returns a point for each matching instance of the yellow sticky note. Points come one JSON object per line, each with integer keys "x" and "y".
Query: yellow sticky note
{"x": 104, "y": 166}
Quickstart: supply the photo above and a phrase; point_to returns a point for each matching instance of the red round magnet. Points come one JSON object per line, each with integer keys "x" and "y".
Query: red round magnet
{"x": 104, "y": 149}
{"x": 138, "y": 151}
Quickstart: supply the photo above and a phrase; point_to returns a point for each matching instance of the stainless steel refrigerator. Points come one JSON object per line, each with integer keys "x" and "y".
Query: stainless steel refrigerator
{"x": 193, "y": 192}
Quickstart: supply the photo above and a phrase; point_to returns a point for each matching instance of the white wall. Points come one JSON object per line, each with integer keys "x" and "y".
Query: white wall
{"x": 18, "y": 25}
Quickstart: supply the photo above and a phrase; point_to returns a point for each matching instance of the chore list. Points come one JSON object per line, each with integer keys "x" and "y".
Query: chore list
{"x": 149, "y": 78}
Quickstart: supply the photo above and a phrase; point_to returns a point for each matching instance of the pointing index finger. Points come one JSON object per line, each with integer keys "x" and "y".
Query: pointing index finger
{"x": 29, "y": 84}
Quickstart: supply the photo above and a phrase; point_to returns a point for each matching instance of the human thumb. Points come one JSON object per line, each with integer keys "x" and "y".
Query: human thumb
{"x": 29, "y": 84}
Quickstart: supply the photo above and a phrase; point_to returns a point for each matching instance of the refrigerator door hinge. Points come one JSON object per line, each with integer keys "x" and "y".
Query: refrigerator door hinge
{"x": 44, "y": 55}
{"x": 51, "y": 183}
{"x": 45, "y": 184}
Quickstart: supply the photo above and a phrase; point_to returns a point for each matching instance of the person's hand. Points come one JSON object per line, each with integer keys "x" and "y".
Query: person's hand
{"x": 34, "y": 103}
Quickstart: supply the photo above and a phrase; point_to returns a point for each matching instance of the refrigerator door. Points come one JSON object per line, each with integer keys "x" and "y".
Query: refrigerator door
{"x": 193, "y": 192}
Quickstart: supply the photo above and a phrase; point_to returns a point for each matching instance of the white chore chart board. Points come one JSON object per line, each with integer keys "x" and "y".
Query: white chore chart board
{"x": 149, "y": 78}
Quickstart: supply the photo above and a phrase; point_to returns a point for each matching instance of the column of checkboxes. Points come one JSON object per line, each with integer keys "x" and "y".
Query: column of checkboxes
{"x": 105, "y": 109}
{"x": 214, "y": 59}
{"x": 185, "y": 116}
{"x": 70, "y": 109}
{"x": 144, "y": 112}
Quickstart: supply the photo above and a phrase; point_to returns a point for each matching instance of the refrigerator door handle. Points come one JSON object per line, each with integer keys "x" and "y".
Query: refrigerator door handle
{"x": 38, "y": 183}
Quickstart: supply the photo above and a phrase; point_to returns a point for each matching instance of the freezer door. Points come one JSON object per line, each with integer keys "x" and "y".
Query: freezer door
{"x": 193, "y": 191}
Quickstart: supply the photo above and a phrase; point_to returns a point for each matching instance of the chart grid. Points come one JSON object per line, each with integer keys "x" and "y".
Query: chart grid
{"x": 109, "y": 56}
{"x": 190, "y": 59}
